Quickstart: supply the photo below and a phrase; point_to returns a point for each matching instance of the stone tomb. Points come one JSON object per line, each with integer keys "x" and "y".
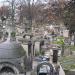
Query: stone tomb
{"x": 12, "y": 58}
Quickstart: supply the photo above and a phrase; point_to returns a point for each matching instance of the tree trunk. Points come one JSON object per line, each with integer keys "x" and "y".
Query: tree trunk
{"x": 62, "y": 51}
{"x": 74, "y": 38}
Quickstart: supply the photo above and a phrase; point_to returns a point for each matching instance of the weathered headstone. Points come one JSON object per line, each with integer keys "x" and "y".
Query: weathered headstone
{"x": 37, "y": 47}
{"x": 25, "y": 46}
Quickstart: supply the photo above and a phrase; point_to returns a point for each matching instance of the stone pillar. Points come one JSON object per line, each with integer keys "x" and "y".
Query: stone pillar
{"x": 74, "y": 38}
{"x": 33, "y": 47}
{"x": 29, "y": 47}
{"x": 55, "y": 55}
{"x": 41, "y": 44}
{"x": 30, "y": 54}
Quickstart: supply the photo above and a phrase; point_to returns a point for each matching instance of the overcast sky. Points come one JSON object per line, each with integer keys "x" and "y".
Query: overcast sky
{"x": 1, "y": 2}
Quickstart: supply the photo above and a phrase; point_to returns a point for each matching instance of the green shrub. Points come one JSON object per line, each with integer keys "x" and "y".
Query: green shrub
{"x": 68, "y": 62}
{"x": 13, "y": 34}
{"x": 66, "y": 71}
{"x": 42, "y": 52}
{"x": 72, "y": 48}
{"x": 37, "y": 53}
{"x": 7, "y": 33}
{"x": 73, "y": 66}
{"x": 59, "y": 41}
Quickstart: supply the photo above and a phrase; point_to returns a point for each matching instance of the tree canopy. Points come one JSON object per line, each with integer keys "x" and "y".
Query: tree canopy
{"x": 69, "y": 16}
